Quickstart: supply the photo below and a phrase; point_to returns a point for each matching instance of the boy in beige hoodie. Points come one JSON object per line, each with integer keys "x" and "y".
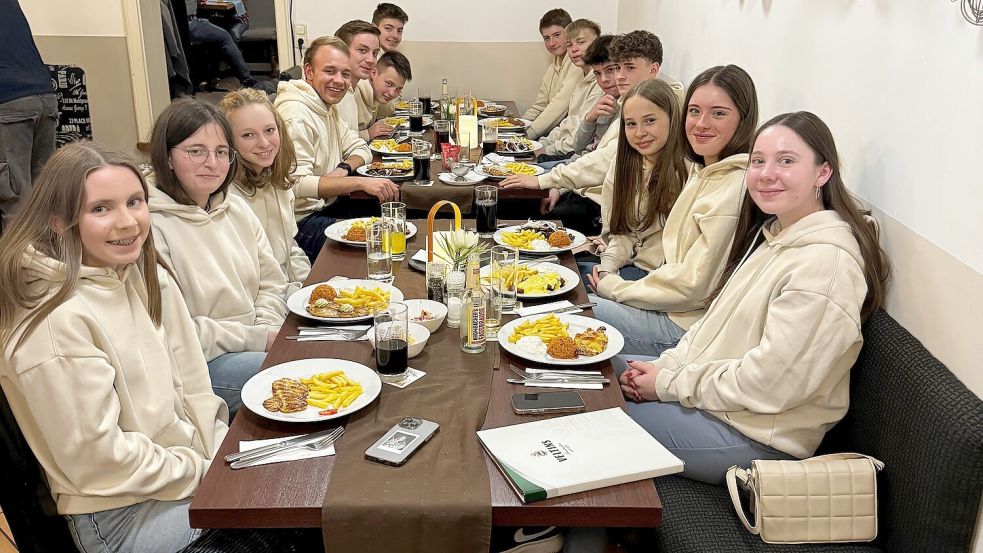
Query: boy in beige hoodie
{"x": 377, "y": 95}
{"x": 550, "y": 106}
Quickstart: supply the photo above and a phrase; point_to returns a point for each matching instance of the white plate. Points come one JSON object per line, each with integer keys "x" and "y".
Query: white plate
{"x": 570, "y": 279}
{"x": 578, "y": 240}
{"x": 387, "y": 152}
{"x": 535, "y": 146}
{"x": 480, "y": 169}
{"x": 363, "y": 170}
{"x": 297, "y": 302}
{"x": 470, "y": 178}
{"x": 522, "y": 128}
{"x": 338, "y": 230}
{"x": 258, "y": 388}
{"x": 481, "y": 110}
{"x": 578, "y": 323}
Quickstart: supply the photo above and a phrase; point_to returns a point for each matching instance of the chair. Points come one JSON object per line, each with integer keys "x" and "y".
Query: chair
{"x": 260, "y": 37}
{"x": 24, "y": 493}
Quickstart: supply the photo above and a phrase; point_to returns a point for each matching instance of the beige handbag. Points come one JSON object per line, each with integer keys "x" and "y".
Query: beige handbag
{"x": 824, "y": 499}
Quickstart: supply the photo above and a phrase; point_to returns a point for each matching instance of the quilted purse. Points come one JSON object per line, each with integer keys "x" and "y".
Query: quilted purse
{"x": 824, "y": 499}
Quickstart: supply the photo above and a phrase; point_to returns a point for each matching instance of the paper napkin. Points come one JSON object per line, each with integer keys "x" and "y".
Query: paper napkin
{"x": 292, "y": 455}
{"x": 542, "y": 308}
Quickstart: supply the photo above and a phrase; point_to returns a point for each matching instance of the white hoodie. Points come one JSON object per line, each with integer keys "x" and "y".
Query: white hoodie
{"x": 116, "y": 410}
{"x": 321, "y": 139}
{"x": 772, "y": 356}
{"x": 234, "y": 287}
{"x": 582, "y": 99}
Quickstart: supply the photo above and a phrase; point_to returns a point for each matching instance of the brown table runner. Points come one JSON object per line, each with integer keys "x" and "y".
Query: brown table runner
{"x": 440, "y": 500}
{"x": 423, "y": 197}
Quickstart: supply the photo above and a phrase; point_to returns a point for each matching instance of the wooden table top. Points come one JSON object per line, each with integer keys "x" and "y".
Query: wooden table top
{"x": 289, "y": 495}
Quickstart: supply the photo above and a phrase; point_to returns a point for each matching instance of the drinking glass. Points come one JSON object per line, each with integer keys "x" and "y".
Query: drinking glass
{"x": 504, "y": 264}
{"x": 425, "y": 99}
{"x": 442, "y": 134}
{"x": 394, "y": 214}
{"x": 379, "y": 261}
{"x": 416, "y": 116}
{"x": 421, "y": 161}
{"x": 493, "y": 314}
{"x": 391, "y": 327}
{"x": 436, "y": 280}
{"x": 486, "y": 209}
{"x": 489, "y": 137}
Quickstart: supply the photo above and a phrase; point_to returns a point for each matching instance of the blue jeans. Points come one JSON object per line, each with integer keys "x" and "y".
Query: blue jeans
{"x": 206, "y": 32}
{"x": 628, "y": 272}
{"x": 310, "y": 233}
{"x": 646, "y": 332}
{"x": 148, "y": 527}
{"x": 230, "y": 372}
{"x": 707, "y": 445}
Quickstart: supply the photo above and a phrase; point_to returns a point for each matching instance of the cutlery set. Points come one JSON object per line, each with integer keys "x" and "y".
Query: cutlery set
{"x": 555, "y": 377}
{"x": 315, "y": 441}
{"x": 320, "y": 333}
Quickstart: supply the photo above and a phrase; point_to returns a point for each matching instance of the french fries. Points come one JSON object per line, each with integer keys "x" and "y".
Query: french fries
{"x": 331, "y": 390}
{"x": 528, "y": 280}
{"x": 370, "y": 298}
{"x": 519, "y": 168}
{"x": 545, "y": 328}
{"x": 522, "y": 239}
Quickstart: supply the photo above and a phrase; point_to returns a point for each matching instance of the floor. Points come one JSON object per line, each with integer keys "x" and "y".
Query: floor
{"x": 6, "y": 539}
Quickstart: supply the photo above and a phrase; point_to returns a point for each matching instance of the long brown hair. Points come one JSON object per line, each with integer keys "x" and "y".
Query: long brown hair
{"x": 285, "y": 162}
{"x": 58, "y": 195}
{"x": 176, "y": 123}
{"x": 835, "y": 196}
{"x": 740, "y": 88}
{"x": 668, "y": 175}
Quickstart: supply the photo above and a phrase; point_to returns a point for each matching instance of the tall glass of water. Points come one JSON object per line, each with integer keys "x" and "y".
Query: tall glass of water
{"x": 394, "y": 213}
{"x": 380, "y": 265}
{"x": 504, "y": 264}
{"x": 391, "y": 327}
{"x": 486, "y": 209}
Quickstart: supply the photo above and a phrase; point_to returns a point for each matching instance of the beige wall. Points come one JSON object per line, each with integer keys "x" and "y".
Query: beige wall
{"x": 107, "y": 74}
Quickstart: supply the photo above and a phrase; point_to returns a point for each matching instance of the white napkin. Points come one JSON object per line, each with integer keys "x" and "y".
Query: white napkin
{"x": 495, "y": 159}
{"x": 316, "y": 336}
{"x": 420, "y": 255}
{"x": 537, "y": 309}
{"x": 292, "y": 455}
{"x": 451, "y": 177}
{"x": 591, "y": 386}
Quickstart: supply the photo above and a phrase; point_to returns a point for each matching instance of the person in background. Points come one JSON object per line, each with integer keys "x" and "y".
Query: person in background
{"x": 559, "y": 143}
{"x": 766, "y": 372}
{"x": 654, "y": 312}
{"x": 550, "y": 106}
{"x": 362, "y": 39}
{"x": 644, "y": 181}
{"x": 266, "y": 160}
{"x": 28, "y": 111}
{"x": 377, "y": 95}
{"x": 232, "y": 284}
{"x": 206, "y": 32}
{"x": 328, "y": 151}
{"x": 391, "y": 19}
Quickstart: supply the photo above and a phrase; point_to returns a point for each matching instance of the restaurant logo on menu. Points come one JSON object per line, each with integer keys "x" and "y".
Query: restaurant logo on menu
{"x": 557, "y": 454}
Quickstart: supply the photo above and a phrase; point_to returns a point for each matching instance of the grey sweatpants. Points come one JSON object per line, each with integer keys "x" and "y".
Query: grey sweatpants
{"x": 27, "y": 140}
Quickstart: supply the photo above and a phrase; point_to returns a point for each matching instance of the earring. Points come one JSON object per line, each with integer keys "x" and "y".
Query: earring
{"x": 818, "y": 188}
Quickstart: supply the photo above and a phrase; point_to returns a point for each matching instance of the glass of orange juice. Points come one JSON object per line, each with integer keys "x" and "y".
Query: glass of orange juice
{"x": 394, "y": 213}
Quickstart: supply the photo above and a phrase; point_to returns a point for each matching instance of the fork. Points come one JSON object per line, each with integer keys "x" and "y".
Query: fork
{"x": 536, "y": 260}
{"x": 318, "y": 445}
{"x": 558, "y": 376}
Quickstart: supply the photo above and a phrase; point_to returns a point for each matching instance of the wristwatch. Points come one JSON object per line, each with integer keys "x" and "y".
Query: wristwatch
{"x": 346, "y": 167}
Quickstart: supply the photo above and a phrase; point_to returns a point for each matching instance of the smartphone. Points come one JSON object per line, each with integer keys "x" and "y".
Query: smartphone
{"x": 401, "y": 441}
{"x": 547, "y": 402}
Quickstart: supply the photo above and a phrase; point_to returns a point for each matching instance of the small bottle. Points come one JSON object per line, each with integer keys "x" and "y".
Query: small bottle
{"x": 445, "y": 101}
{"x": 455, "y": 298}
{"x": 473, "y": 309}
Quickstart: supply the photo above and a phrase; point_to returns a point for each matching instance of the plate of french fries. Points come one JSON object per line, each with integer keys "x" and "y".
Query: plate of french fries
{"x": 342, "y": 301}
{"x": 561, "y": 339}
{"x": 352, "y": 231}
{"x": 530, "y": 240}
{"x": 503, "y": 170}
{"x": 311, "y": 390}
{"x": 537, "y": 280}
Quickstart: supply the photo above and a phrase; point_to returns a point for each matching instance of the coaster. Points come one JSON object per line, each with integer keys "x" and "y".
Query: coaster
{"x": 411, "y": 376}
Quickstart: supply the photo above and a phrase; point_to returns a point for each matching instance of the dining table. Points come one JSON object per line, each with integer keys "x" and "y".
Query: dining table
{"x": 418, "y": 197}
{"x": 290, "y": 494}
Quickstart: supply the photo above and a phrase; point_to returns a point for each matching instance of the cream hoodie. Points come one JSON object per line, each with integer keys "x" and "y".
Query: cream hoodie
{"x": 274, "y": 207}
{"x": 582, "y": 99}
{"x": 321, "y": 138}
{"x": 116, "y": 410}
{"x": 641, "y": 247}
{"x": 551, "y": 101}
{"x": 772, "y": 357}
{"x": 223, "y": 262}
{"x": 369, "y": 111}
{"x": 696, "y": 240}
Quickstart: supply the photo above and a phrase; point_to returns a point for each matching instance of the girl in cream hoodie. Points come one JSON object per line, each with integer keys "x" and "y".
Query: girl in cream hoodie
{"x": 101, "y": 365}
{"x": 644, "y": 180}
{"x": 654, "y": 311}
{"x": 767, "y": 371}
{"x": 215, "y": 245}
{"x": 266, "y": 155}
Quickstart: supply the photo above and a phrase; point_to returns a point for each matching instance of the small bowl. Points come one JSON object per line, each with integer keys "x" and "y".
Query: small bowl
{"x": 418, "y": 332}
{"x": 435, "y": 308}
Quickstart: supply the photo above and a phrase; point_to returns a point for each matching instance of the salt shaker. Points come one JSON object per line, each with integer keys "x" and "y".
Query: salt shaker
{"x": 455, "y": 298}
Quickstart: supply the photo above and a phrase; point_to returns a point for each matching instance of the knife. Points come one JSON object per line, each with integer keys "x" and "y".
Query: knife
{"x": 312, "y": 437}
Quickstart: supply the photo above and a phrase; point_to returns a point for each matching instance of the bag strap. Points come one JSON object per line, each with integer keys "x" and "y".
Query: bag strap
{"x": 733, "y": 473}
{"x": 878, "y": 465}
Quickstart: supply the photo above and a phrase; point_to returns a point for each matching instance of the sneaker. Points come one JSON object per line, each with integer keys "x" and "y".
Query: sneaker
{"x": 538, "y": 539}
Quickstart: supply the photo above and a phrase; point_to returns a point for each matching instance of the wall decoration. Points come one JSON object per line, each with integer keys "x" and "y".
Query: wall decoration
{"x": 74, "y": 121}
{"x": 972, "y": 11}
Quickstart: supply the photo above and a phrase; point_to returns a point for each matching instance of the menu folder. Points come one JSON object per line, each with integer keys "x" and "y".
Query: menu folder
{"x": 575, "y": 453}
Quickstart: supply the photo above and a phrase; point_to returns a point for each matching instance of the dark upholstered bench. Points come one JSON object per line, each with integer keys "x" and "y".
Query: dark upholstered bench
{"x": 907, "y": 410}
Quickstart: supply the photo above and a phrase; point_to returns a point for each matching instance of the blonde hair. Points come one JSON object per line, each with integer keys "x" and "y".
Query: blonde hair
{"x": 285, "y": 162}
{"x": 580, "y": 25}
{"x": 329, "y": 41}
{"x": 58, "y": 196}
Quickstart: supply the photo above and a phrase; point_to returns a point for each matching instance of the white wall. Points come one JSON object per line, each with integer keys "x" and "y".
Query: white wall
{"x": 84, "y": 18}
{"x": 456, "y": 20}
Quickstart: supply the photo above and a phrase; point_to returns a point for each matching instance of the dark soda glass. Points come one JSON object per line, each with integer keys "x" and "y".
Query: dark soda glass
{"x": 486, "y": 214}
{"x": 416, "y": 123}
{"x": 488, "y": 147}
{"x": 391, "y": 357}
{"x": 421, "y": 168}
{"x": 440, "y": 139}
{"x": 427, "y": 107}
